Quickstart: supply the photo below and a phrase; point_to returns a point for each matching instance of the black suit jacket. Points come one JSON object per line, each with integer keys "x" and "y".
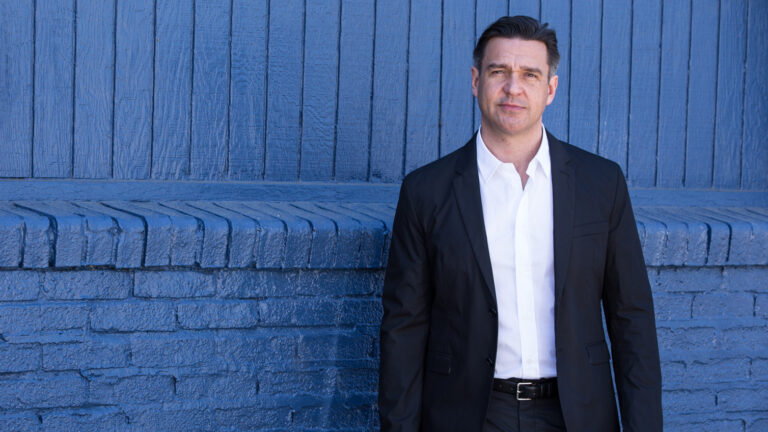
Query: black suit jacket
{"x": 439, "y": 330}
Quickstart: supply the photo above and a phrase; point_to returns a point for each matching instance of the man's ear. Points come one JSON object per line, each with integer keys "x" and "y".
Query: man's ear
{"x": 551, "y": 89}
{"x": 475, "y": 78}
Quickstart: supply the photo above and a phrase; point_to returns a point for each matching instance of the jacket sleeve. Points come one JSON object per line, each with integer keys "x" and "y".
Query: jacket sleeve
{"x": 406, "y": 300}
{"x": 628, "y": 305}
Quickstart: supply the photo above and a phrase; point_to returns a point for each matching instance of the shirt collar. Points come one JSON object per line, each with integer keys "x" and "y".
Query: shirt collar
{"x": 487, "y": 163}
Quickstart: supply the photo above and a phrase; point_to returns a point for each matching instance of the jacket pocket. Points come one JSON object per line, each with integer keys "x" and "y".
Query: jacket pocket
{"x": 597, "y": 353}
{"x": 590, "y": 228}
{"x": 438, "y": 362}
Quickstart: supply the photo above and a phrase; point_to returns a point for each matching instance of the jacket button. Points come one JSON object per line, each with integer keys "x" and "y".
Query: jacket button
{"x": 490, "y": 361}
{"x": 492, "y": 311}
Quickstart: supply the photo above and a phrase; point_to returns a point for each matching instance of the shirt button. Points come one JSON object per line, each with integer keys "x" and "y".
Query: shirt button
{"x": 490, "y": 361}
{"x": 492, "y": 311}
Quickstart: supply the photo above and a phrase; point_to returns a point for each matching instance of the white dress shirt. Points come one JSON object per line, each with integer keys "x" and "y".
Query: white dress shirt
{"x": 518, "y": 225}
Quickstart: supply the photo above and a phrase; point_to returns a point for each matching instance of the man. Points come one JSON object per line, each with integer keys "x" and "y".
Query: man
{"x": 502, "y": 254}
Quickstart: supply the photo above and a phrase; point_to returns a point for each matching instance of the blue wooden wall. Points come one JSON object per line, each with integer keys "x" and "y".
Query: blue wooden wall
{"x": 365, "y": 90}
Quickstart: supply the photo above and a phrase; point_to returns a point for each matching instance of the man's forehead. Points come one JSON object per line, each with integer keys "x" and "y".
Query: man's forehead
{"x": 501, "y": 50}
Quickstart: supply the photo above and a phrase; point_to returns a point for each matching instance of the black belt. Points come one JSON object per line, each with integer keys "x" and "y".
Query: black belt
{"x": 523, "y": 389}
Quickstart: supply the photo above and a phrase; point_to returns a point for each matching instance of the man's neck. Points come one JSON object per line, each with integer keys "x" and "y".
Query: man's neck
{"x": 518, "y": 150}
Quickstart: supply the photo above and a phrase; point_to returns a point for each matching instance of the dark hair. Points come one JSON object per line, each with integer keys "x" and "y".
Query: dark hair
{"x": 520, "y": 27}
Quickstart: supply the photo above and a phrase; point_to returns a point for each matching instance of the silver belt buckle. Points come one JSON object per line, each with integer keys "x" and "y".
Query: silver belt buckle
{"x": 517, "y": 394}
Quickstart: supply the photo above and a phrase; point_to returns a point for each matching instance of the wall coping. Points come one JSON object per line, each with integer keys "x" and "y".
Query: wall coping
{"x": 308, "y": 235}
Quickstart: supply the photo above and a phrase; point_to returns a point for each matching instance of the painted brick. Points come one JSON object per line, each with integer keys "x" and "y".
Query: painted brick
{"x": 675, "y": 306}
{"x": 749, "y": 339}
{"x": 24, "y": 422}
{"x": 232, "y": 386}
{"x": 87, "y": 284}
{"x": 30, "y": 319}
{"x": 140, "y": 316}
{"x": 174, "y": 284}
{"x": 672, "y": 373}
{"x": 743, "y": 399}
{"x": 336, "y": 346}
{"x": 49, "y": 390}
{"x": 86, "y": 355}
{"x": 689, "y": 279}
{"x": 155, "y": 417}
{"x": 761, "y": 306}
{"x": 292, "y": 382}
{"x": 686, "y": 401}
{"x": 19, "y": 285}
{"x": 241, "y": 350}
{"x": 760, "y": 368}
{"x": 360, "y": 312}
{"x": 298, "y": 312}
{"x": 244, "y": 314}
{"x": 708, "y": 426}
{"x": 723, "y": 305}
{"x": 686, "y": 338}
{"x": 259, "y": 283}
{"x": 357, "y": 380}
{"x": 339, "y": 282}
{"x": 701, "y": 374}
{"x": 759, "y": 425}
{"x": 19, "y": 357}
{"x": 335, "y": 414}
{"x": 90, "y": 419}
{"x": 746, "y": 278}
{"x": 158, "y": 350}
{"x": 131, "y": 389}
{"x": 268, "y": 419}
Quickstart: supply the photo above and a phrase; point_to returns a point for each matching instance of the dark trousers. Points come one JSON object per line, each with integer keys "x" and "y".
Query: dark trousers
{"x": 507, "y": 414}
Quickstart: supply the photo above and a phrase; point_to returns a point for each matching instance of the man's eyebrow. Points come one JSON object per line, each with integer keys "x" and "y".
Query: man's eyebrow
{"x": 506, "y": 66}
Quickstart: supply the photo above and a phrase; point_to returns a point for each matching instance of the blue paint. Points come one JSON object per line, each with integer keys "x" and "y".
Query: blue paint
{"x": 173, "y": 90}
{"x": 558, "y": 14}
{"x": 755, "y": 154}
{"x": 133, "y": 89}
{"x": 389, "y": 90}
{"x": 286, "y": 47}
{"x": 585, "y": 74}
{"x": 247, "y": 108}
{"x": 94, "y": 80}
{"x": 644, "y": 91}
{"x": 354, "y": 97}
{"x": 673, "y": 94}
{"x": 17, "y": 24}
{"x": 54, "y": 82}
{"x": 210, "y": 90}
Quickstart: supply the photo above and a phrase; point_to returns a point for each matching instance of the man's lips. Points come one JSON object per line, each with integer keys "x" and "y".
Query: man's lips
{"x": 511, "y": 107}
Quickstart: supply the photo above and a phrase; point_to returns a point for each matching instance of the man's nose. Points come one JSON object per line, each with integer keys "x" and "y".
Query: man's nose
{"x": 512, "y": 84}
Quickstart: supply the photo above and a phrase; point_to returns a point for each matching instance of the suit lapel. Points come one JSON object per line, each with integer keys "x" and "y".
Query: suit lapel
{"x": 466, "y": 188}
{"x": 563, "y": 201}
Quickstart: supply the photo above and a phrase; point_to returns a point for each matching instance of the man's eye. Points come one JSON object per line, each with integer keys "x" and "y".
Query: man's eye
{"x": 530, "y": 75}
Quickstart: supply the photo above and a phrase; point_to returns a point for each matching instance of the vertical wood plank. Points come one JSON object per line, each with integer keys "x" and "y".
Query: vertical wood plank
{"x": 210, "y": 90}
{"x": 54, "y": 51}
{"x": 700, "y": 132}
{"x": 614, "y": 81}
{"x": 585, "y": 75}
{"x": 456, "y": 116}
{"x": 94, "y": 83}
{"x": 558, "y": 14}
{"x": 755, "y": 154}
{"x": 355, "y": 68}
{"x": 389, "y": 90}
{"x": 320, "y": 84}
{"x": 730, "y": 95}
{"x": 486, "y": 12}
{"x": 172, "y": 90}
{"x": 286, "y": 38}
{"x": 133, "y": 89}
{"x": 531, "y": 8}
{"x": 422, "y": 127}
{"x": 248, "y": 87}
{"x": 644, "y": 103}
{"x": 675, "y": 34}
{"x": 17, "y": 23}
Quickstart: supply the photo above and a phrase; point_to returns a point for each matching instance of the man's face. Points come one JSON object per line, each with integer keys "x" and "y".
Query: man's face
{"x": 512, "y": 87}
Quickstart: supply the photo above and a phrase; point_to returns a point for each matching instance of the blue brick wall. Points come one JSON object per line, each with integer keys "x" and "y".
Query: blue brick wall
{"x": 264, "y": 316}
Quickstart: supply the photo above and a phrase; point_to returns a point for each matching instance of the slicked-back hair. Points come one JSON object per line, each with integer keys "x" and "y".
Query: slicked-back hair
{"x": 520, "y": 27}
